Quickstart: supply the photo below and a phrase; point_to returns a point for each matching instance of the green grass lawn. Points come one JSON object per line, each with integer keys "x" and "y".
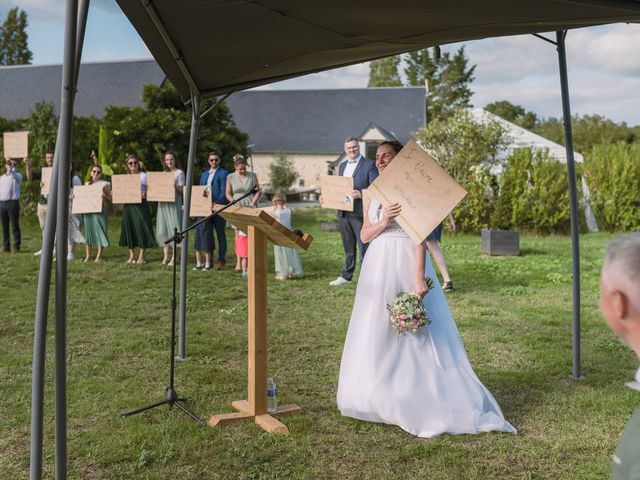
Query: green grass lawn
{"x": 514, "y": 315}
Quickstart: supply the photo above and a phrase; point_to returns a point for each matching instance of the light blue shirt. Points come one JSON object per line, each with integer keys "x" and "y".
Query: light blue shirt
{"x": 10, "y": 185}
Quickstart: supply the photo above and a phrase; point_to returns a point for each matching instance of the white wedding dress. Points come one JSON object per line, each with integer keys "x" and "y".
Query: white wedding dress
{"x": 422, "y": 382}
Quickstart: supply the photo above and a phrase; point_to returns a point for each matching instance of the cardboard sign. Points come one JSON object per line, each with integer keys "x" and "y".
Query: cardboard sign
{"x": 45, "y": 180}
{"x": 161, "y": 187}
{"x": 87, "y": 199}
{"x": 200, "y": 204}
{"x": 126, "y": 188}
{"x": 336, "y": 192}
{"x": 424, "y": 190}
{"x": 16, "y": 144}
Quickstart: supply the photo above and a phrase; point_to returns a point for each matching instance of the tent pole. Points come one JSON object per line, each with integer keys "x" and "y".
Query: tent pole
{"x": 573, "y": 201}
{"x": 184, "y": 252}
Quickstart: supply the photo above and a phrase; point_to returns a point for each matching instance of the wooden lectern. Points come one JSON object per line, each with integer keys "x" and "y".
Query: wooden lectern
{"x": 260, "y": 227}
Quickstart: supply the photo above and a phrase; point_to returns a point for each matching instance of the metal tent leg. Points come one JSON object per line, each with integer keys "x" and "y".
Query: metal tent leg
{"x": 573, "y": 201}
{"x": 184, "y": 253}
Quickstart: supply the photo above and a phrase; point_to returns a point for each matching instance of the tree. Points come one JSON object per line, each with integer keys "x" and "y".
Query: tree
{"x": 513, "y": 113}
{"x": 447, "y": 76}
{"x": 384, "y": 72}
{"x": 164, "y": 124}
{"x": 459, "y": 143}
{"x": 14, "y": 49}
{"x": 281, "y": 173}
{"x": 43, "y": 129}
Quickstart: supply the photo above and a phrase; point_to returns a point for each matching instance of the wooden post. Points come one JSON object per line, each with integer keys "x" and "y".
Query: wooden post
{"x": 257, "y": 329}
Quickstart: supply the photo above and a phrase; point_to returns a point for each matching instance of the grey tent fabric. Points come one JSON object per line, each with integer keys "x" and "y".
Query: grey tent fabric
{"x": 232, "y": 45}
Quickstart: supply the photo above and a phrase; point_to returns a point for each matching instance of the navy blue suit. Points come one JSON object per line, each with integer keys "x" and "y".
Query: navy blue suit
{"x": 204, "y": 235}
{"x": 350, "y": 223}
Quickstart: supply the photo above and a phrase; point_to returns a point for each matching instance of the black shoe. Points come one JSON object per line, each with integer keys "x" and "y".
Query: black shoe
{"x": 448, "y": 286}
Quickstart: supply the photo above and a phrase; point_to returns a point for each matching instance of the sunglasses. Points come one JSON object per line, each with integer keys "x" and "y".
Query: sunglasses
{"x": 132, "y": 163}
{"x": 97, "y": 171}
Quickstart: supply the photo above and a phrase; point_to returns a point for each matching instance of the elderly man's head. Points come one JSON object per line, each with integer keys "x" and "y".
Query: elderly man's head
{"x": 620, "y": 288}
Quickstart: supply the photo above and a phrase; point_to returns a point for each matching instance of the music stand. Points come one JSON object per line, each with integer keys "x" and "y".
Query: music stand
{"x": 260, "y": 226}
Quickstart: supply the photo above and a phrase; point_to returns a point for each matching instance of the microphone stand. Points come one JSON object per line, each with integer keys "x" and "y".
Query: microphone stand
{"x": 171, "y": 396}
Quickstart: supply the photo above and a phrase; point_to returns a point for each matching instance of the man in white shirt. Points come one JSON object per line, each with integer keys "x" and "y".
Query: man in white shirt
{"x": 10, "y": 184}
{"x": 620, "y": 305}
{"x": 363, "y": 171}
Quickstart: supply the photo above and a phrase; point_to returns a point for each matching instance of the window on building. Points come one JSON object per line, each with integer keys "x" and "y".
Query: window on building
{"x": 301, "y": 182}
{"x": 370, "y": 150}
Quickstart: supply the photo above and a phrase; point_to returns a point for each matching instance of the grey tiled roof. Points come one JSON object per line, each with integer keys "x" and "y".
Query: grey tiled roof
{"x": 318, "y": 121}
{"x": 100, "y": 85}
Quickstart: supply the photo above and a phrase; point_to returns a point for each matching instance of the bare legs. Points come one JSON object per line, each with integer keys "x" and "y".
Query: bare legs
{"x": 87, "y": 251}
{"x": 166, "y": 259}
{"x": 132, "y": 256}
{"x": 438, "y": 257}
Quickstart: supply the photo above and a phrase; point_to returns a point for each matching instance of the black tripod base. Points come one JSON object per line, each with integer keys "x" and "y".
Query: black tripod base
{"x": 171, "y": 400}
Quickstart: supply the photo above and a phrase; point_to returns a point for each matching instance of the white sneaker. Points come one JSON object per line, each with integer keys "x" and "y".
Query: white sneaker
{"x": 339, "y": 281}
{"x": 71, "y": 256}
{"x": 38, "y": 253}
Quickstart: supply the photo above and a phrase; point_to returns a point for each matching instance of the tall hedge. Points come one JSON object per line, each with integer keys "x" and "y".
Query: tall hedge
{"x": 612, "y": 172}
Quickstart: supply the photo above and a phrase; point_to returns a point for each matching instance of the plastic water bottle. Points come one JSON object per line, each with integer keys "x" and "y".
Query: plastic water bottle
{"x": 272, "y": 399}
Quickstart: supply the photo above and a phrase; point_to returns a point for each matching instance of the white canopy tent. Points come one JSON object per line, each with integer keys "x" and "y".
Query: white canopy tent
{"x": 216, "y": 47}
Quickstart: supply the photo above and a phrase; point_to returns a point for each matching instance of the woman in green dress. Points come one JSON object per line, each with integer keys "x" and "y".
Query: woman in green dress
{"x": 95, "y": 224}
{"x": 239, "y": 183}
{"x": 169, "y": 213}
{"x": 136, "y": 219}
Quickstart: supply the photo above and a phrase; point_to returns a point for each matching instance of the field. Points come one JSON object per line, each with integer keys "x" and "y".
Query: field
{"x": 514, "y": 315}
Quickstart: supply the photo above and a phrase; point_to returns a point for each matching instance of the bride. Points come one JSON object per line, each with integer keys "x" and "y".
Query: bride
{"x": 423, "y": 381}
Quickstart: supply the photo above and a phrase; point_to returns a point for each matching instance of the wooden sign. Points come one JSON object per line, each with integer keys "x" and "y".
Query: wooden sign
{"x": 161, "y": 187}
{"x": 126, "y": 188}
{"x": 87, "y": 198}
{"x": 336, "y": 192}
{"x": 45, "y": 180}
{"x": 424, "y": 190}
{"x": 200, "y": 204}
{"x": 16, "y": 144}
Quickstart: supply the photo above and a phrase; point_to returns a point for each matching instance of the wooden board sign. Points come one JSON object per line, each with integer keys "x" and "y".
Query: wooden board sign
{"x": 45, "y": 180}
{"x": 126, "y": 188}
{"x": 200, "y": 204}
{"x": 336, "y": 192}
{"x": 16, "y": 144}
{"x": 87, "y": 199}
{"x": 161, "y": 187}
{"x": 425, "y": 191}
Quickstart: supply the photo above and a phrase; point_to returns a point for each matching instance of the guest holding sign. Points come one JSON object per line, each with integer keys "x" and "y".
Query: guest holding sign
{"x": 169, "y": 213}
{"x": 421, "y": 381}
{"x": 43, "y": 199}
{"x": 95, "y": 224}
{"x": 287, "y": 260}
{"x": 238, "y": 184}
{"x": 137, "y": 231}
{"x": 10, "y": 184}
{"x": 215, "y": 179}
{"x": 363, "y": 171}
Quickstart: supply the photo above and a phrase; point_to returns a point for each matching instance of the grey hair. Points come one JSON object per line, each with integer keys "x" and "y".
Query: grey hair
{"x": 623, "y": 254}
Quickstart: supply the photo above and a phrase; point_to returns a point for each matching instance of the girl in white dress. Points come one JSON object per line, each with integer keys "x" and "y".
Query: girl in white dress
{"x": 423, "y": 381}
{"x": 287, "y": 260}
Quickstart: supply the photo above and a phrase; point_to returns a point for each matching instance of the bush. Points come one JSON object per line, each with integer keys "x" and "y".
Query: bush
{"x": 474, "y": 211}
{"x": 612, "y": 172}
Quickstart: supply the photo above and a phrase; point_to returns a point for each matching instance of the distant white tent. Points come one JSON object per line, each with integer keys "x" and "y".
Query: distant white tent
{"x": 523, "y": 138}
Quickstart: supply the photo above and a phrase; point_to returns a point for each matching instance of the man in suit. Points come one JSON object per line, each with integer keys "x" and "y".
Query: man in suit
{"x": 620, "y": 305}
{"x": 363, "y": 171}
{"x": 215, "y": 178}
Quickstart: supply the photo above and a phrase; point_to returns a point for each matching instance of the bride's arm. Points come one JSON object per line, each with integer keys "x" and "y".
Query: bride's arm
{"x": 420, "y": 283}
{"x": 372, "y": 230}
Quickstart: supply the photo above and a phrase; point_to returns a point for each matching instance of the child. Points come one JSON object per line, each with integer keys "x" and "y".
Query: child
{"x": 287, "y": 260}
{"x": 242, "y": 250}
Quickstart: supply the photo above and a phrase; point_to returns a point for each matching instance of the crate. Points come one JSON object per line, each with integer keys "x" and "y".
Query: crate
{"x": 500, "y": 242}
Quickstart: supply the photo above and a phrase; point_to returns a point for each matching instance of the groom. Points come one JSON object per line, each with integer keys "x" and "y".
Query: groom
{"x": 620, "y": 305}
{"x": 364, "y": 172}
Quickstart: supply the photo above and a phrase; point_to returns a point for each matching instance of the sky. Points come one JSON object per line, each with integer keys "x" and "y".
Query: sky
{"x": 603, "y": 62}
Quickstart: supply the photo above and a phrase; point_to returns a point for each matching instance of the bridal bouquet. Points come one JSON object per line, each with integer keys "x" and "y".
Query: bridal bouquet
{"x": 407, "y": 313}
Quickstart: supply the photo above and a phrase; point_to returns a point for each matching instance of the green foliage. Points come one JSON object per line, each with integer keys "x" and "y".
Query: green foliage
{"x": 448, "y": 78}
{"x": 513, "y": 113}
{"x": 473, "y": 213}
{"x": 612, "y": 172}
{"x": 14, "y": 49}
{"x": 85, "y": 142}
{"x": 43, "y": 129}
{"x": 282, "y": 173}
{"x": 459, "y": 142}
{"x": 384, "y": 72}
{"x": 164, "y": 124}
